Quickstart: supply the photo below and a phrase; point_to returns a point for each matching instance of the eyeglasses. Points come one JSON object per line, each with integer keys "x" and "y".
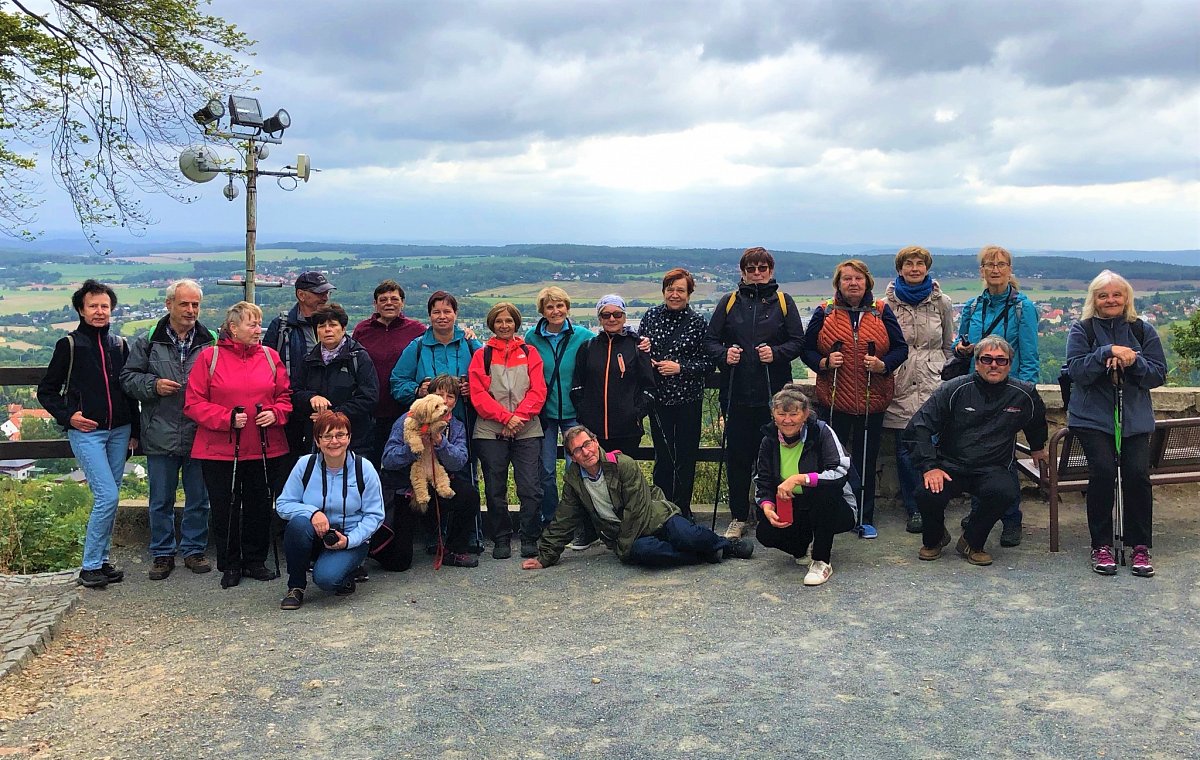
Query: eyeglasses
{"x": 342, "y": 436}
{"x": 752, "y": 268}
{"x": 999, "y": 361}
{"x": 995, "y": 265}
{"x": 612, "y": 314}
{"x": 586, "y": 445}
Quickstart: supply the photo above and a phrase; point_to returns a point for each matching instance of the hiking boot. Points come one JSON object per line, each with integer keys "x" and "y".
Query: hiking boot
{"x": 1011, "y": 535}
{"x": 735, "y": 530}
{"x": 530, "y": 549}
{"x": 1103, "y": 561}
{"x": 293, "y": 600}
{"x": 739, "y": 548}
{"x": 231, "y": 578}
{"x": 585, "y": 538}
{"x": 974, "y": 556}
{"x": 818, "y": 573}
{"x": 502, "y": 550}
{"x": 361, "y": 575}
{"x": 1140, "y": 562}
{"x": 867, "y": 531}
{"x": 198, "y": 564}
{"x": 348, "y": 588}
{"x": 92, "y": 578}
{"x": 915, "y": 524}
{"x": 455, "y": 559}
{"x": 113, "y": 574}
{"x": 161, "y": 569}
{"x": 259, "y": 572}
{"x": 930, "y": 553}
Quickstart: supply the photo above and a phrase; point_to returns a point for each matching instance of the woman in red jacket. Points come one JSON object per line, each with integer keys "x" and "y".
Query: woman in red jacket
{"x": 233, "y": 383}
{"x": 508, "y": 390}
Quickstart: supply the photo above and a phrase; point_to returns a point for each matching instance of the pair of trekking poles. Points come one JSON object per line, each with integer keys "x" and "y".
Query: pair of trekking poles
{"x": 725, "y": 428}
{"x": 235, "y": 493}
{"x": 871, "y": 348}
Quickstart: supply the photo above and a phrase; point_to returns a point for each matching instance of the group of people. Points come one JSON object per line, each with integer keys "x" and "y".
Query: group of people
{"x": 330, "y": 455}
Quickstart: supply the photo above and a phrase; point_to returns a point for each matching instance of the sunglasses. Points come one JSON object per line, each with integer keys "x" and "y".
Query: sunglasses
{"x": 752, "y": 268}
{"x": 999, "y": 361}
{"x": 612, "y": 314}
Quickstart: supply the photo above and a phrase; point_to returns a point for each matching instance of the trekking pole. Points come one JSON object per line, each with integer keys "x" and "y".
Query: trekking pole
{"x": 1119, "y": 497}
{"x": 837, "y": 346}
{"x": 669, "y": 447}
{"x": 235, "y": 433}
{"x": 862, "y": 501}
{"x": 262, "y": 439}
{"x": 724, "y": 443}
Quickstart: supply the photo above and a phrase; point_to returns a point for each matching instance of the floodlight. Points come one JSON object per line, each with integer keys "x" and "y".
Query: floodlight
{"x": 212, "y": 111}
{"x": 245, "y": 112}
{"x": 277, "y": 123}
{"x": 199, "y": 163}
{"x": 231, "y": 190}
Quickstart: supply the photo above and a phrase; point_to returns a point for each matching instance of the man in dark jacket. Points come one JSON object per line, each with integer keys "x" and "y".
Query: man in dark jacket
{"x": 155, "y": 374}
{"x": 753, "y": 336}
{"x": 632, "y": 517}
{"x": 292, "y": 335}
{"x": 963, "y": 439}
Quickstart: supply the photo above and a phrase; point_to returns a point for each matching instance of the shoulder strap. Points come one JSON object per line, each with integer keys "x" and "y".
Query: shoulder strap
{"x": 270, "y": 361}
{"x": 1139, "y": 331}
{"x": 212, "y": 365}
{"x": 782, "y": 302}
{"x": 308, "y": 471}
{"x": 70, "y": 360}
{"x": 731, "y": 300}
{"x": 1138, "y": 327}
{"x": 487, "y": 360}
{"x": 1089, "y": 330}
{"x": 358, "y": 474}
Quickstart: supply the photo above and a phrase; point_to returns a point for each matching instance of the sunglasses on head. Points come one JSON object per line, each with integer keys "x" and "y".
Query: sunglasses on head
{"x": 611, "y": 314}
{"x": 751, "y": 268}
{"x": 999, "y": 361}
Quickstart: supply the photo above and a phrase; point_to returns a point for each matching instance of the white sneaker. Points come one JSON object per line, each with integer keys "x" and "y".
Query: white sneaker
{"x": 818, "y": 573}
{"x": 735, "y": 530}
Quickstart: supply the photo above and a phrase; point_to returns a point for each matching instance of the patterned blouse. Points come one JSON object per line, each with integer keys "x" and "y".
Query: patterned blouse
{"x": 677, "y": 336}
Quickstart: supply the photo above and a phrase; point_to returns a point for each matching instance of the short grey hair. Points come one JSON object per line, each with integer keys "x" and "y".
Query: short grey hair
{"x": 791, "y": 398}
{"x": 184, "y": 283}
{"x": 993, "y": 342}
{"x": 573, "y": 433}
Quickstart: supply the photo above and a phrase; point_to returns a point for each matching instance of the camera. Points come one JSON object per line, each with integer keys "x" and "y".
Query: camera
{"x": 331, "y": 537}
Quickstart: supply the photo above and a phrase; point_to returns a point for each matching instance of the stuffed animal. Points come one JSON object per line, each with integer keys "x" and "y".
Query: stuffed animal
{"x": 427, "y": 415}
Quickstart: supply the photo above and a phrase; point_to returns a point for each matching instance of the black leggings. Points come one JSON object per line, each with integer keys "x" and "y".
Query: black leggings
{"x": 818, "y": 514}
{"x": 1101, "y": 452}
{"x": 241, "y": 534}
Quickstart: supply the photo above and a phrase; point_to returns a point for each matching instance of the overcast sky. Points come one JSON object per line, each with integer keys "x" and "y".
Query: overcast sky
{"x": 1030, "y": 124}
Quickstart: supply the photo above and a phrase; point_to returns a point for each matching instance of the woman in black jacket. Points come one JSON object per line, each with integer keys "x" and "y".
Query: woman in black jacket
{"x": 337, "y": 374}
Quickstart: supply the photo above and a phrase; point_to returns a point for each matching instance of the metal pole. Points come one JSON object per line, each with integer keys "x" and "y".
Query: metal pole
{"x": 251, "y": 216}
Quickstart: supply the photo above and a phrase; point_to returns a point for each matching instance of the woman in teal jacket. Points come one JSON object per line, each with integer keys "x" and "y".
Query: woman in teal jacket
{"x": 443, "y": 349}
{"x": 1010, "y": 314}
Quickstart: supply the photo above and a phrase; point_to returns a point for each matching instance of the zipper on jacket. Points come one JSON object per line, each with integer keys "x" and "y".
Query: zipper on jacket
{"x": 107, "y": 388}
{"x": 607, "y": 369}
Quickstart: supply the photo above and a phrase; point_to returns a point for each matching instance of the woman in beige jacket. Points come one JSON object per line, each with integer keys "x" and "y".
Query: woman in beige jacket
{"x": 927, "y": 319}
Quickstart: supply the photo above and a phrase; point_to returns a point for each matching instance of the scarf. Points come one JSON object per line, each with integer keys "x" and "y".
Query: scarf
{"x": 793, "y": 439}
{"x": 331, "y": 354}
{"x": 913, "y": 294}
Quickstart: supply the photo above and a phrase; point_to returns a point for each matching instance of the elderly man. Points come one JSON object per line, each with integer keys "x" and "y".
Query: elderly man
{"x": 292, "y": 335}
{"x": 155, "y": 374}
{"x": 963, "y": 439}
{"x": 632, "y": 517}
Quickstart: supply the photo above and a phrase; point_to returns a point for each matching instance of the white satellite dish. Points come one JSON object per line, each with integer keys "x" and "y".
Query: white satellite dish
{"x": 199, "y": 163}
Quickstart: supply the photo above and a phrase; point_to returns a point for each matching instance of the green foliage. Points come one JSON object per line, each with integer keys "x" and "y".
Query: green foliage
{"x": 42, "y": 525}
{"x": 1185, "y": 340}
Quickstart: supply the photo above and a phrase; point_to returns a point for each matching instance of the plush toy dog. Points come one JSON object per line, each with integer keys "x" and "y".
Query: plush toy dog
{"x": 427, "y": 415}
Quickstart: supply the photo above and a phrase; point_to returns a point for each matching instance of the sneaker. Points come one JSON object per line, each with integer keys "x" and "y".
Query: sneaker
{"x": 293, "y": 600}
{"x": 974, "y": 556}
{"x": 818, "y": 573}
{"x": 915, "y": 524}
{"x": 1011, "y": 535}
{"x": 361, "y": 575}
{"x": 92, "y": 578}
{"x": 231, "y": 578}
{"x": 739, "y": 548}
{"x": 930, "y": 553}
{"x": 530, "y": 549}
{"x": 867, "y": 531}
{"x": 347, "y": 589}
{"x": 502, "y": 550}
{"x": 161, "y": 568}
{"x": 259, "y": 572}
{"x": 735, "y": 530}
{"x": 582, "y": 543}
{"x": 113, "y": 574}
{"x": 198, "y": 564}
{"x": 454, "y": 559}
{"x": 1103, "y": 561}
{"x": 1140, "y": 563}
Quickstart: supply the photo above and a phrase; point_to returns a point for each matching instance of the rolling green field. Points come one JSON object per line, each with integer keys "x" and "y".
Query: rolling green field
{"x": 268, "y": 254}
{"x": 20, "y": 301}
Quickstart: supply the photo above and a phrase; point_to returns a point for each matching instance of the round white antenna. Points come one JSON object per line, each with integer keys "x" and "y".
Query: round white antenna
{"x": 199, "y": 163}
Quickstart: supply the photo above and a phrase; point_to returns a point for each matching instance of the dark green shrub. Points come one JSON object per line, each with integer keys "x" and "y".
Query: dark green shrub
{"x": 42, "y": 525}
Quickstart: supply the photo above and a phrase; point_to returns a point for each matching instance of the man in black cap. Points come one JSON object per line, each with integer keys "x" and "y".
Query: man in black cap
{"x": 292, "y": 335}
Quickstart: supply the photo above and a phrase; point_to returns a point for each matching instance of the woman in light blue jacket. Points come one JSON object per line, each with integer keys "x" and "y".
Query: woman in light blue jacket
{"x": 443, "y": 349}
{"x": 332, "y": 504}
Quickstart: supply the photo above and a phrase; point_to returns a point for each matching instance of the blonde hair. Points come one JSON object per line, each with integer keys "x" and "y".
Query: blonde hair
{"x": 239, "y": 311}
{"x": 1099, "y": 281}
{"x": 550, "y": 294}
{"x": 992, "y": 252}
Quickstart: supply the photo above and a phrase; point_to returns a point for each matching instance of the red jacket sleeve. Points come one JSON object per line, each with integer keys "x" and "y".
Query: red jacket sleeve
{"x": 535, "y": 397}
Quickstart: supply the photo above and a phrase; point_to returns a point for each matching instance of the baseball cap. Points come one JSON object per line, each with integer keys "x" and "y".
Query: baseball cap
{"x": 314, "y": 282}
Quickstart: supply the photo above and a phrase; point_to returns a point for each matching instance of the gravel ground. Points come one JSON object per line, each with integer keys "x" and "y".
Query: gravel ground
{"x": 1033, "y": 656}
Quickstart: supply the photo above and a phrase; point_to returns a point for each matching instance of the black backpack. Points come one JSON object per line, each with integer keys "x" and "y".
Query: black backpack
{"x": 1064, "y": 378}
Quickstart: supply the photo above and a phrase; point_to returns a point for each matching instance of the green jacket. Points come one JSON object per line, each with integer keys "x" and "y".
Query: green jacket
{"x": 642, "y": 508}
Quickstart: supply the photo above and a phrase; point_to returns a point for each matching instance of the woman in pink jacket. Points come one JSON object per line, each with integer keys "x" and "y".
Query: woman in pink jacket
{"x": 234, "y": 383}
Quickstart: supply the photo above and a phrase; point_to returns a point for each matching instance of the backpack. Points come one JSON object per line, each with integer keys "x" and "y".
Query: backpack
{"x": 1064, "y": 377}
{"x": 212, "y": 365}
{"x": 66, "y": 386}
{"x": 778, "y": 294}
{"x": 312, "y": 465}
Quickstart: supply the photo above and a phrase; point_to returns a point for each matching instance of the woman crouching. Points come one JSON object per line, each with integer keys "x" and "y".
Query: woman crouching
{"x": 801, "y": 484}
{"x": 332, "y": 503}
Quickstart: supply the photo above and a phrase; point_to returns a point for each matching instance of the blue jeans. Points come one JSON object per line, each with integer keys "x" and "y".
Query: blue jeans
{"x": 553, "y": 430}
{"x": 906, "y": 473}
{"x": 101, "y": 456}
{"x": 678, "y": 542}
{"x": 163, "y": 471}
{"x": 331, "y": 568}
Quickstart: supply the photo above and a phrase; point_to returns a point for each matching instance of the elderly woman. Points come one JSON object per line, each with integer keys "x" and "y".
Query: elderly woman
{"x": 1111, "y": 349}
{"x": 332, "y": 504}
{"x": 1001, "y": 309}
{"x": 82, "y": 390}
{"x": 926, "y": 318}
{"x": 236, "y": 382}
{"x": 677, "y": 353}
{"x": 557, "y": 340}
{"x": 337, "y": 375}
{"x": 753, "y": 336}
{"x": 802, "y": 485}
{"x": 854, "y": 344}
{"x": 508, "y": 391}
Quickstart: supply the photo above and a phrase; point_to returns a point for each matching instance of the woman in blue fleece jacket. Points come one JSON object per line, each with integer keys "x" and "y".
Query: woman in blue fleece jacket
{"x": 330, "y": 520}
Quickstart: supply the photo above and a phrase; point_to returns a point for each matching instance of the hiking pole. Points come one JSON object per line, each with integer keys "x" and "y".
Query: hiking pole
{"x": 235, "y": 433}
{"x": 1119, "y": 497}
{"x": 262, "y": 439}
{"x": 862, "y": 501}
{"x": 669, "y": 447}
{"x": 724, "y": 445}
{"x": 837, "y": 347}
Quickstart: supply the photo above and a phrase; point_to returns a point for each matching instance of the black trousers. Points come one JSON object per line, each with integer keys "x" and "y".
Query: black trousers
{"x": 240, "y": 522}
{"x": 996, "y": 488}
{"x": 383, "y": 429}
{"x": 676, "y": 433}
{"x": 1101, "y": 452}
{"x": 818, "y": 514}
{"x": 850, "y": 430}
{"x": 743, "y": 434}
{"x": 525, "y": 456}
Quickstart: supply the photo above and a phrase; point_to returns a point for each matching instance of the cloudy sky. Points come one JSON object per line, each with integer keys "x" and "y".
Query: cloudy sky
{"x": 1031, "y": 124}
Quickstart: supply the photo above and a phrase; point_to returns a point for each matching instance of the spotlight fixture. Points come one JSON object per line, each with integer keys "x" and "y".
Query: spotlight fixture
{"x": 245, "y": 112}
{"x": 212, "y": 111}
{"x": 231, "y": 190}
{"x": 277, "y": 123}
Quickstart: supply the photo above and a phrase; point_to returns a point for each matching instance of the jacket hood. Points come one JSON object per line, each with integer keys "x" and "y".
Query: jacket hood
{"x": 241, "y": 349}
{"x": 504, "y": 344}
{"x": 757, "y": 290}
{"x": 95, "y": 333}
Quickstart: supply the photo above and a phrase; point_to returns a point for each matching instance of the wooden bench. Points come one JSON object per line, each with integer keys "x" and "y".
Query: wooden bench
{"x": 1174, "y": 458}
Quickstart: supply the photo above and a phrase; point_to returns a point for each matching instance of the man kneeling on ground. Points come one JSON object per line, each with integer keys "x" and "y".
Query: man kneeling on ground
{"x": 963, "y": 439}
{"x": 609, "y": 490}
